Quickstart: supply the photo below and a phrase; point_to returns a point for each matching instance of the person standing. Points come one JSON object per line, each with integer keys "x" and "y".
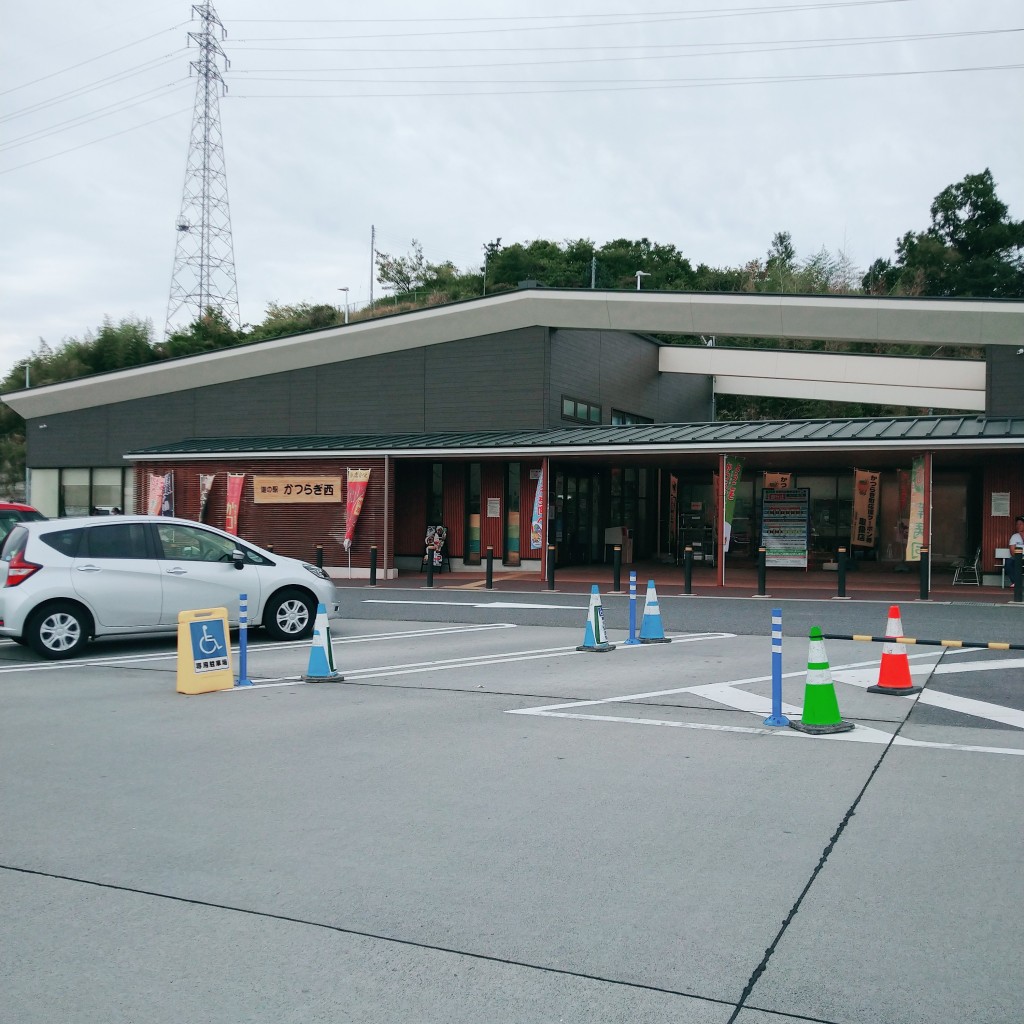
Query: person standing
{"x": 1016, "y": 548}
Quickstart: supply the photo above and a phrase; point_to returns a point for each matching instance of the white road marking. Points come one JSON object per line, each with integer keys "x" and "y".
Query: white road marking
{"x": 481, "y": 604}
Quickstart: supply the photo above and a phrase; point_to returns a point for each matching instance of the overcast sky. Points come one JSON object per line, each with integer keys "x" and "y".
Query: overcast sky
{"x": 707, "y": 124}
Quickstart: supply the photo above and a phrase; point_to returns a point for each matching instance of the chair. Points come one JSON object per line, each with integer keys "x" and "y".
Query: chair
{"x": 966, "y": 570}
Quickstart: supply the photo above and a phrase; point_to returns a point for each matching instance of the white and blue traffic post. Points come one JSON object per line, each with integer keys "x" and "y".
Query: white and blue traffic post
{"x": 777, "y": 717}
{"x": 243, "y": 640}
{"x": 632, "y": 613}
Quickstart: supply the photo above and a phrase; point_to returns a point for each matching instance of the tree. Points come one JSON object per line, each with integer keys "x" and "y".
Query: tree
{"x": 402, "y": 273}
{"x": 971, "y": 248}
{"x": 304, "y": 316}
{"x": 210, "y": 332}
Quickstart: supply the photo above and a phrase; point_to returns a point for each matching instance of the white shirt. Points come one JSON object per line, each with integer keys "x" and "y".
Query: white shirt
{"x": 1016, "y": 541}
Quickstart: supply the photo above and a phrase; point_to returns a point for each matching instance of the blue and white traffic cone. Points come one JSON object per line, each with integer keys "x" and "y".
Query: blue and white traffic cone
{"x": 651, "y": 629}
{"x": 321, "y": 655}
{"x": 595, "y": 637}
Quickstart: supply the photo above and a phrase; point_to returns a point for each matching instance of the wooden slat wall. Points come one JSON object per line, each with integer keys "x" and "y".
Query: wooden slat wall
{"x": 1006, "y": 475}
{"x": 293, "y": 530}
{"x": 492, "y": 531}
{"x": 411, "y": 488}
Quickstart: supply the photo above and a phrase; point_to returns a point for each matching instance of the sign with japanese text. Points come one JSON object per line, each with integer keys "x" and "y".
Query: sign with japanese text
{"x": 915, "y": 531}
{"x": 269, "y": 490}
{"x": 865, "y": 508}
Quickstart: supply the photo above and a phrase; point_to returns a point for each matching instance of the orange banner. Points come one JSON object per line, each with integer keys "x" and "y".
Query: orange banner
{"x": 234, "y": 500}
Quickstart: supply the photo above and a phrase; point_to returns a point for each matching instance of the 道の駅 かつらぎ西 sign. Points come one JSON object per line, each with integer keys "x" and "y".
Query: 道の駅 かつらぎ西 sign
{"x": 296, "y": 489}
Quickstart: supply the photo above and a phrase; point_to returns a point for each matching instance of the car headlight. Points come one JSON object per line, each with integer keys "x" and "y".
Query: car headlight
{"x": 316, "y": 571}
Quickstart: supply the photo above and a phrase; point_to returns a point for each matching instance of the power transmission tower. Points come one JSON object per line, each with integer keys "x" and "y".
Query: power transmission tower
{"x": 204, "y": 257}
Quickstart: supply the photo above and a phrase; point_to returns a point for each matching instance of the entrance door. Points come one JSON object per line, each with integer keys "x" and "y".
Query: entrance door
{"x": 577, "y": 497}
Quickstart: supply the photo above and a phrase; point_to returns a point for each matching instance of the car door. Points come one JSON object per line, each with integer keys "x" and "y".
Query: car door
{"x": 116, "y": 574}
{"x": 197, "y": 571}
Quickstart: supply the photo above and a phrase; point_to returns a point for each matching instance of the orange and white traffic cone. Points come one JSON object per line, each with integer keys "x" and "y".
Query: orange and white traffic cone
{"x": 894, "y": 671}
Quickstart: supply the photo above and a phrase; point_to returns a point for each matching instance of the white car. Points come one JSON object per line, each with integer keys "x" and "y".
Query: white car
{"x": 65, "y": 581}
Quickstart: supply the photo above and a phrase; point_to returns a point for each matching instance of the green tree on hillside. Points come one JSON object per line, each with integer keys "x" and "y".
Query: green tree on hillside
{"x": 971, "y": 248}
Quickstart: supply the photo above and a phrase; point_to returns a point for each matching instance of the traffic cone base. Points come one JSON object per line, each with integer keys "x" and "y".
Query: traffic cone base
{"x": 651, "y": 629}
{"x": 595, "y": 639}
{"x": 894, "y": 669}
{"x": 821, "y": 709}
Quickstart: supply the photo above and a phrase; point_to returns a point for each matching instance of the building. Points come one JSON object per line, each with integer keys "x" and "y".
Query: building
{"x": 459, "y": 411}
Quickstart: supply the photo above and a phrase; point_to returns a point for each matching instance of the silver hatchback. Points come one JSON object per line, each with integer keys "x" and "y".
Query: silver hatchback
{"x": 64, "y": 581}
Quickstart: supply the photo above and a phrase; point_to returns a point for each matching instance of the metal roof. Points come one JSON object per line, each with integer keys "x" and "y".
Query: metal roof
{"x": 917, "y": 432}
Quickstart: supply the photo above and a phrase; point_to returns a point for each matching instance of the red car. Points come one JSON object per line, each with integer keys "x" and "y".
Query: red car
{"x": 11, "y": 513}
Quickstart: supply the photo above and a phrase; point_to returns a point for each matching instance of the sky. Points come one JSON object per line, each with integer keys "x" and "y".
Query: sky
{"x": 706, "y": 124}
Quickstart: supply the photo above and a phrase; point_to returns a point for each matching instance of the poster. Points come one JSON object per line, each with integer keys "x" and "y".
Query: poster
{"x": 733, "y": 472}
{"x": 234, "y": 501}
{"x": 537, "y": 519}
{"x": 785, "y": 522}
{"x": 865, "y": 509}
{"x": 915, "y": 529}
{"x": 777, "y": 481}
{"x": 355, "y": 493}
{"x": 205, "y": 486}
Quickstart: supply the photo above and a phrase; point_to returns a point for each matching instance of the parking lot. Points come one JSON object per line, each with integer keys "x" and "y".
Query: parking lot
{"x": 483, "y": 824}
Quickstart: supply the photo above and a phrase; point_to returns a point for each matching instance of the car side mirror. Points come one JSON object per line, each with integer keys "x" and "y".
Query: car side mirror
{"x": 238, "y": 558}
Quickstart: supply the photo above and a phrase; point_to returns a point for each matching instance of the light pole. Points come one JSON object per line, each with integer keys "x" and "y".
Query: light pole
{"x": 639, "y": 274}
{"x": 345, "y": 290}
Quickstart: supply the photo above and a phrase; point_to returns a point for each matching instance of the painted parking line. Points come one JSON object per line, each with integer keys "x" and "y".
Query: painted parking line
{"x": 731, "y": 695}
{"x": 481, "y": 604}
{"x": 474, "y": 661}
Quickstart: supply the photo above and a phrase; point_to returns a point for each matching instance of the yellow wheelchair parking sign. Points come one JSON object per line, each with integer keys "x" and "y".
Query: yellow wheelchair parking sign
{"x": 204, "y": 651}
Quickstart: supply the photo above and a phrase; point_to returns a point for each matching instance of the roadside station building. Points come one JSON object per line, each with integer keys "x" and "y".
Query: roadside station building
{"x": 462, "y": 413}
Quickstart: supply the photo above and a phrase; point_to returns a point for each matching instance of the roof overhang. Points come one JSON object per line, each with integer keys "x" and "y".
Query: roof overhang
{"x": 804, "y": 317}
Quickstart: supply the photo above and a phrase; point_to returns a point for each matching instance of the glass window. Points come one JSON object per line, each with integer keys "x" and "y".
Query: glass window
{"x": 119, "y": 540}
{"x": 107, "y": 492}
{"x": 64, "y": 541}
{"x": 74, "y": 492}
{"x": 580, "y": 412}
{"x": 568, "y": 408}
{"x": 192, "y": 544}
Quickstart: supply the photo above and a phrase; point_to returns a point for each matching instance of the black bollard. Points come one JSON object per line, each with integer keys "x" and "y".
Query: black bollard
{"x": 1017, "y": 594}
{"x": 270, "y": 548}
{"x": 924, "y": 574}
{"x": 762, "y": 571}
{"x": 319, "y": 556}
{"x": 841, "y": 572}
{"x": 551, "y": 567}
{"x": 373, "y": 565}
{"x": 617, "y": 568}
{"x": 490, "y": 567}
{"x": 430, "y": 568}
{"x": 688, "y": 570}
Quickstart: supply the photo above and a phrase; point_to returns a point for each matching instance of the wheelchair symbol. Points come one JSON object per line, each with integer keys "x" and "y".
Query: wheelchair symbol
{"x": 208, "y": 644}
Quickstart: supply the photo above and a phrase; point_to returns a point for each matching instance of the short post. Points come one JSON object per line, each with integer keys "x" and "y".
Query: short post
{"x": 841, "y": 572}
{"x": 633, "y": 640}
{"x": 270, "y": 548}
{"x": 688, "y": 570}
{"x": 1017, "y": 594}
{"x": 777, "y": 717}
{"x": 430, "y": 568}
{"x": 490, "y": 567}
{"x": 762, "y": 571}
{"x": 243, "y": 640}
{"x": 373, "y": 565}
{"x": 319, "y": 556}
{"x": 925, "y": 566}
{"x": 617, "y": 568}
{"x": 551, "y": 567}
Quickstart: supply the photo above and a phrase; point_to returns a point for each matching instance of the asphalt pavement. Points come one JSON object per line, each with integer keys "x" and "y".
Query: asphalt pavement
{"x": 482, "y": 824}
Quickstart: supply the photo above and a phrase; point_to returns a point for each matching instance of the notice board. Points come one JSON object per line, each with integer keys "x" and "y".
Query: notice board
{"x": 785, "y": 526}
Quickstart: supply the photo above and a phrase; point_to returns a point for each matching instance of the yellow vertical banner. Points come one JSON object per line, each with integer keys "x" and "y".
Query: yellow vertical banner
{"x": 865, "y": 508}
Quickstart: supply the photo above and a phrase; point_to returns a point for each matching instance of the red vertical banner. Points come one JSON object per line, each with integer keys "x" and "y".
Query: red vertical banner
{"x": 355, "y": 494}
{"x": 155, "y": 494}
{"x": 234, "y": 501}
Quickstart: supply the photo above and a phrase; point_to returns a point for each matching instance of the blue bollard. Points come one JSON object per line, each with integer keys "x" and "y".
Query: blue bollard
{"x": 243, "y": 640}
{"x": 777, "y": 717}
{"x": 632, "y": 613}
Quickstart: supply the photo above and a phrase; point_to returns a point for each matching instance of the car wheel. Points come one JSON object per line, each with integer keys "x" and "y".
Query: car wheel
{"x": 57, "y": 631}
{"x": 290, "y": 615}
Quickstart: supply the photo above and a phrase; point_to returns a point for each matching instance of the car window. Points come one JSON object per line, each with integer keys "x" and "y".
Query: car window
{"x": 14, "y": 543}
{"x": 64, "y": 541}
{"x": 193, "y": 544}
{"x": 7, "y": 520}
{"x": 119, "y": 540}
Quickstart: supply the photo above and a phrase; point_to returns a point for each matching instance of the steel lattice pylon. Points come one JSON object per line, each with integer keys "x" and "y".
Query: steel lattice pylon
{"x": 204, "y": 257}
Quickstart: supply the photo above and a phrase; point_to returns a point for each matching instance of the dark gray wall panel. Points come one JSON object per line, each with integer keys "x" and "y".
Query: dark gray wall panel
{"x": 1004, "y": 381}
{"x": 376, "y": 395}
{"x": 618, "y": 370}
